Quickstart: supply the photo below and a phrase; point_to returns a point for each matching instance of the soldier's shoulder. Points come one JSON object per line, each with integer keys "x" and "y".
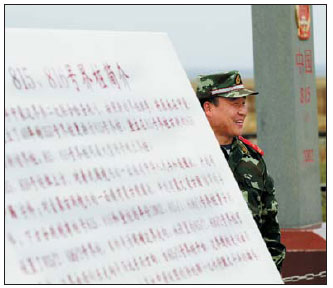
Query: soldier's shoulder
{"x": 251, "y": 145}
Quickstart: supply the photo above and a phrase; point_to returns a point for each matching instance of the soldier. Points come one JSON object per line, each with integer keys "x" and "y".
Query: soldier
{"x": 223, "y": 99}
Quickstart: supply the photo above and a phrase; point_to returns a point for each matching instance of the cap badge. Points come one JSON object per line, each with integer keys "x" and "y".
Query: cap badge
{"x": 238, "y": 80}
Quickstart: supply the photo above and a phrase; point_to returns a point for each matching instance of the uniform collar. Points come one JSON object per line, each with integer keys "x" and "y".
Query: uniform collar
{"x": 237, "y": 144}
{"x": 238, "y": 151}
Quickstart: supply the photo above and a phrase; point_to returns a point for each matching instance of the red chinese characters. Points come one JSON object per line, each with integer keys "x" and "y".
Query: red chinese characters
{"x": 305, "y": 95}
{"x": 72, "y": 76}
{"x": 304, "y": 61}
{"x": 308, "y": 155}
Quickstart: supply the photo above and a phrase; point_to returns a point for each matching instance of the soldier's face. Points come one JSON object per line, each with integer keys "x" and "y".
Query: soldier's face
{"x": 227, "y": 118}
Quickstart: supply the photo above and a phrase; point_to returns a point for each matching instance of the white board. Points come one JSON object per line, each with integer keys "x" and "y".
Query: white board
{"x": 112, "y": 173}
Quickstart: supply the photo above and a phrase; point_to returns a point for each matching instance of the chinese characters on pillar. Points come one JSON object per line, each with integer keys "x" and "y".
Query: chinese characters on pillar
{"x": 304, "y": 66}
{"x": 304, "y": 61}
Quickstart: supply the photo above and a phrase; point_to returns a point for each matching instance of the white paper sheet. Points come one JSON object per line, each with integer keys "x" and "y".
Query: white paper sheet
{"x": 113, "y": 174}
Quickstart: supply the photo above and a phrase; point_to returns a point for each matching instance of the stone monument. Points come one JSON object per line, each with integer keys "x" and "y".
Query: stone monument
{"x": 287, "y": 109}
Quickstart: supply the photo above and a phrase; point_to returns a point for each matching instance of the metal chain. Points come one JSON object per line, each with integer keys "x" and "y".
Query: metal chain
{"x": 309, "y": 276}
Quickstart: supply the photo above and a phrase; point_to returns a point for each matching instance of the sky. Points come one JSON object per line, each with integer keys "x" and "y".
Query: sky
{"x": 207, "y": 38}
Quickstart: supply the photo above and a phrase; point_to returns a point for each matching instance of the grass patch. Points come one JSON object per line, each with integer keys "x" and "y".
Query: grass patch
{"x": 323, "y": 205}
{"x": 323, "y": 172}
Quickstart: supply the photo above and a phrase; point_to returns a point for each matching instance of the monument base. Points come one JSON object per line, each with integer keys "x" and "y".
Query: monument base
{"x": 306, "y": 259}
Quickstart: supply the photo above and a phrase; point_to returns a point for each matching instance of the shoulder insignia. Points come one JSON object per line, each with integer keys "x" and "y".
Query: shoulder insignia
{"x": 255, "y": 147}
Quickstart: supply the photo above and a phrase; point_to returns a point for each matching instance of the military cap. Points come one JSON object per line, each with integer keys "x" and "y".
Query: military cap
{"x": 228, "y": 84}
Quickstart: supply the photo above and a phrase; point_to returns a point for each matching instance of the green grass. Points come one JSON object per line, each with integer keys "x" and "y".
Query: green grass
{"x": 323, "y": 194}
{"x": 322, "y": 167}
{"x": 323, "y": 172}
{"x": 323, "y": 205}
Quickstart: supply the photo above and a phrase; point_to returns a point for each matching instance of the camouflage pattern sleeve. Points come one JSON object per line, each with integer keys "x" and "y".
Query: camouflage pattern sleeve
{"x": 270, "y": 228}
{"x": 249, "y": 169}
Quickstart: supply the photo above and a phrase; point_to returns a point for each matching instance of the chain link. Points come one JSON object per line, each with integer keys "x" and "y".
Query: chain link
{"x": 309, "y": 276}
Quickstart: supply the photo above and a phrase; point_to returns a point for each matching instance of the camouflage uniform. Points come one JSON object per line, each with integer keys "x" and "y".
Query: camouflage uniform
{"x": 247, "y": 164}
{"x": 257, "y": 186}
